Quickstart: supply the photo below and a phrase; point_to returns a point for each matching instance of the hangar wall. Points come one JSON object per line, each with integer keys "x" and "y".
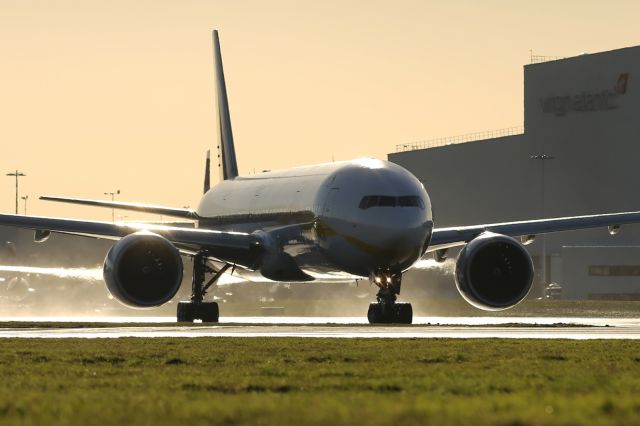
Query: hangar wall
{"x": 584, "y": 112}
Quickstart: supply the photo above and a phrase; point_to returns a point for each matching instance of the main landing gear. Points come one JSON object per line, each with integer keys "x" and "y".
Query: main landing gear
{"x": 386, "y": 310}
{"x": 197, "y": 308}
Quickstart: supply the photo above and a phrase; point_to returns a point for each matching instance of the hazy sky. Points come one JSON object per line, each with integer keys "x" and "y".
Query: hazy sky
{"x": 104, "y": 95}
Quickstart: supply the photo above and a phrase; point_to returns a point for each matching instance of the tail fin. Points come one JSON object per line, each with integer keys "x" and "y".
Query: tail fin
{"x": 207, "y": 173}
{"x": 226, "y": 151}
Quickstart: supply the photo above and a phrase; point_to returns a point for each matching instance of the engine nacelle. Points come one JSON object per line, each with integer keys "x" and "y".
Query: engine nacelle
{"x": 143, "y": 270}
{"x": 494, "y": 272}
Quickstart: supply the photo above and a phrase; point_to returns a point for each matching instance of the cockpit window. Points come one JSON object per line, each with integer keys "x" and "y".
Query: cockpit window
{"x": 410, "y": 201}
{"x": 369, "y": 201}
{"x": 386, "y": 201}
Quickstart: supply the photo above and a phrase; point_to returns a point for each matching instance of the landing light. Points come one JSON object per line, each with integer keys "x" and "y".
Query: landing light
{"x": 389, "y": 279}
{"x": 614, "y": 229}
{"x": 527, "y": 239}
{"x": 41, "y": 235}
{"x": 378, "y": 279}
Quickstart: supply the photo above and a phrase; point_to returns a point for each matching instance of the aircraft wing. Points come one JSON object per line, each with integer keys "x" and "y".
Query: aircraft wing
{"x": 139, "y": 207}
{"x": 232, "y": 247}
{"x": 456, "y": 236}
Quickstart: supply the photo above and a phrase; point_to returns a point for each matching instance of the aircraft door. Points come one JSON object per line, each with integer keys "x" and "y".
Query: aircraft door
{"x": 332, "y": 188}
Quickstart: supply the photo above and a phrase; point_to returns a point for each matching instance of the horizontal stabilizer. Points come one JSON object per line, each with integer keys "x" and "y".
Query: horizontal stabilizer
{"x": 207, "y": 173}
{"x": 146, "y": 208}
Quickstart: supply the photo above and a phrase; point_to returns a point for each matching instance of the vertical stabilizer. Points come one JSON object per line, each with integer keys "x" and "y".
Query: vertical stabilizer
{"x": 207, "y": 173}
{"x": 226, "y": 151}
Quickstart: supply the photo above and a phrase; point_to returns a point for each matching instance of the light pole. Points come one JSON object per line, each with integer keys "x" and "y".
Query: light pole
{"x": 543, "y": 158}
{"x": 25, "y": 198}
{"x": 17, "y": 174}
{"x": 113, "y": 210}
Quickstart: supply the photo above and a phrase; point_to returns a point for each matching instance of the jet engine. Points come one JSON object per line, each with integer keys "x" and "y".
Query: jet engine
{"x": 143, "y": 270}
{"x": 494, "y": 272}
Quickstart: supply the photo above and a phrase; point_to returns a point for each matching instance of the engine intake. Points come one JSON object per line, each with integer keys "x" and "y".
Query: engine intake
{"x": 143, "y": 270}
{"x": 494, "y": 272}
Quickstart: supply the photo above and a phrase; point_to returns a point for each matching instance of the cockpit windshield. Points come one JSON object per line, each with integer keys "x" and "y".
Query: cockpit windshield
{"x": 369, "y": 201}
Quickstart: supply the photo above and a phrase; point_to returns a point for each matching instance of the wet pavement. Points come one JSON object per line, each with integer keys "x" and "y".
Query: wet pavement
{"x": 335, "y": 327}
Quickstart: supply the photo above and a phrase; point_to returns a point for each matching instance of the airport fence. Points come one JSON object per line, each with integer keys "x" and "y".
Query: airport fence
{"x": 537, "y": 59}
{"x": 469, "y": 137}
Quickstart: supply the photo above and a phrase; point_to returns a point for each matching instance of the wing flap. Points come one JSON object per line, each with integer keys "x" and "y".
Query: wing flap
{"x": 452, "y": 236}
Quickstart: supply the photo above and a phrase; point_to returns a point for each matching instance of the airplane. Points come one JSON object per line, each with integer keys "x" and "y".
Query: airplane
{"x": 364, "y": 218}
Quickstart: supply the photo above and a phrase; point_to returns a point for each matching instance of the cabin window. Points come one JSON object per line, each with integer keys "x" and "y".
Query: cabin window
{"x": 369, "y": 201}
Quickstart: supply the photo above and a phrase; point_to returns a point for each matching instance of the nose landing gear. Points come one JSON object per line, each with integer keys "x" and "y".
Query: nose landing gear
{"x": 386, "y": 310}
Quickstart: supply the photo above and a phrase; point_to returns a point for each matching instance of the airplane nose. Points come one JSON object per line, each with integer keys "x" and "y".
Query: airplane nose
{"x": 399, "y": 239}
{"x": 406, "y": 245}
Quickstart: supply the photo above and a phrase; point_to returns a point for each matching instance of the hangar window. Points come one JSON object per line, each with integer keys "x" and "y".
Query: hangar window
{"x": 369, "y": 201}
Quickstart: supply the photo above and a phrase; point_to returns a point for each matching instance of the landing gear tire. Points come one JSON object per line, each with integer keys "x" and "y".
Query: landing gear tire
{"x": 209, "y": 312}
{"x": 376, "y": 314}
{"x": 403, "y": 313}
{"x": 393, "y": 313}
{"x": 186, "y": 312}
{"x": 205, "y": 311}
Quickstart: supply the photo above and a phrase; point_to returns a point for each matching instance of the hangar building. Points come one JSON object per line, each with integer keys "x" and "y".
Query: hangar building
{"x": 577, "y": 153}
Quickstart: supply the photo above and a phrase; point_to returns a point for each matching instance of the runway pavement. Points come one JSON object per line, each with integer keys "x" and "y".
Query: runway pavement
{"x": 332, "y": 327}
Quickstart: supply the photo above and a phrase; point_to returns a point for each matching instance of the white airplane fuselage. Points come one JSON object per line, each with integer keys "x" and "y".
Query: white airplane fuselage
{"x": 342, "y": 219}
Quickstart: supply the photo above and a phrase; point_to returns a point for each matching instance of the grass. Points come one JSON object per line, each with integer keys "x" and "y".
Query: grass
{"x": 269, "y": 381}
